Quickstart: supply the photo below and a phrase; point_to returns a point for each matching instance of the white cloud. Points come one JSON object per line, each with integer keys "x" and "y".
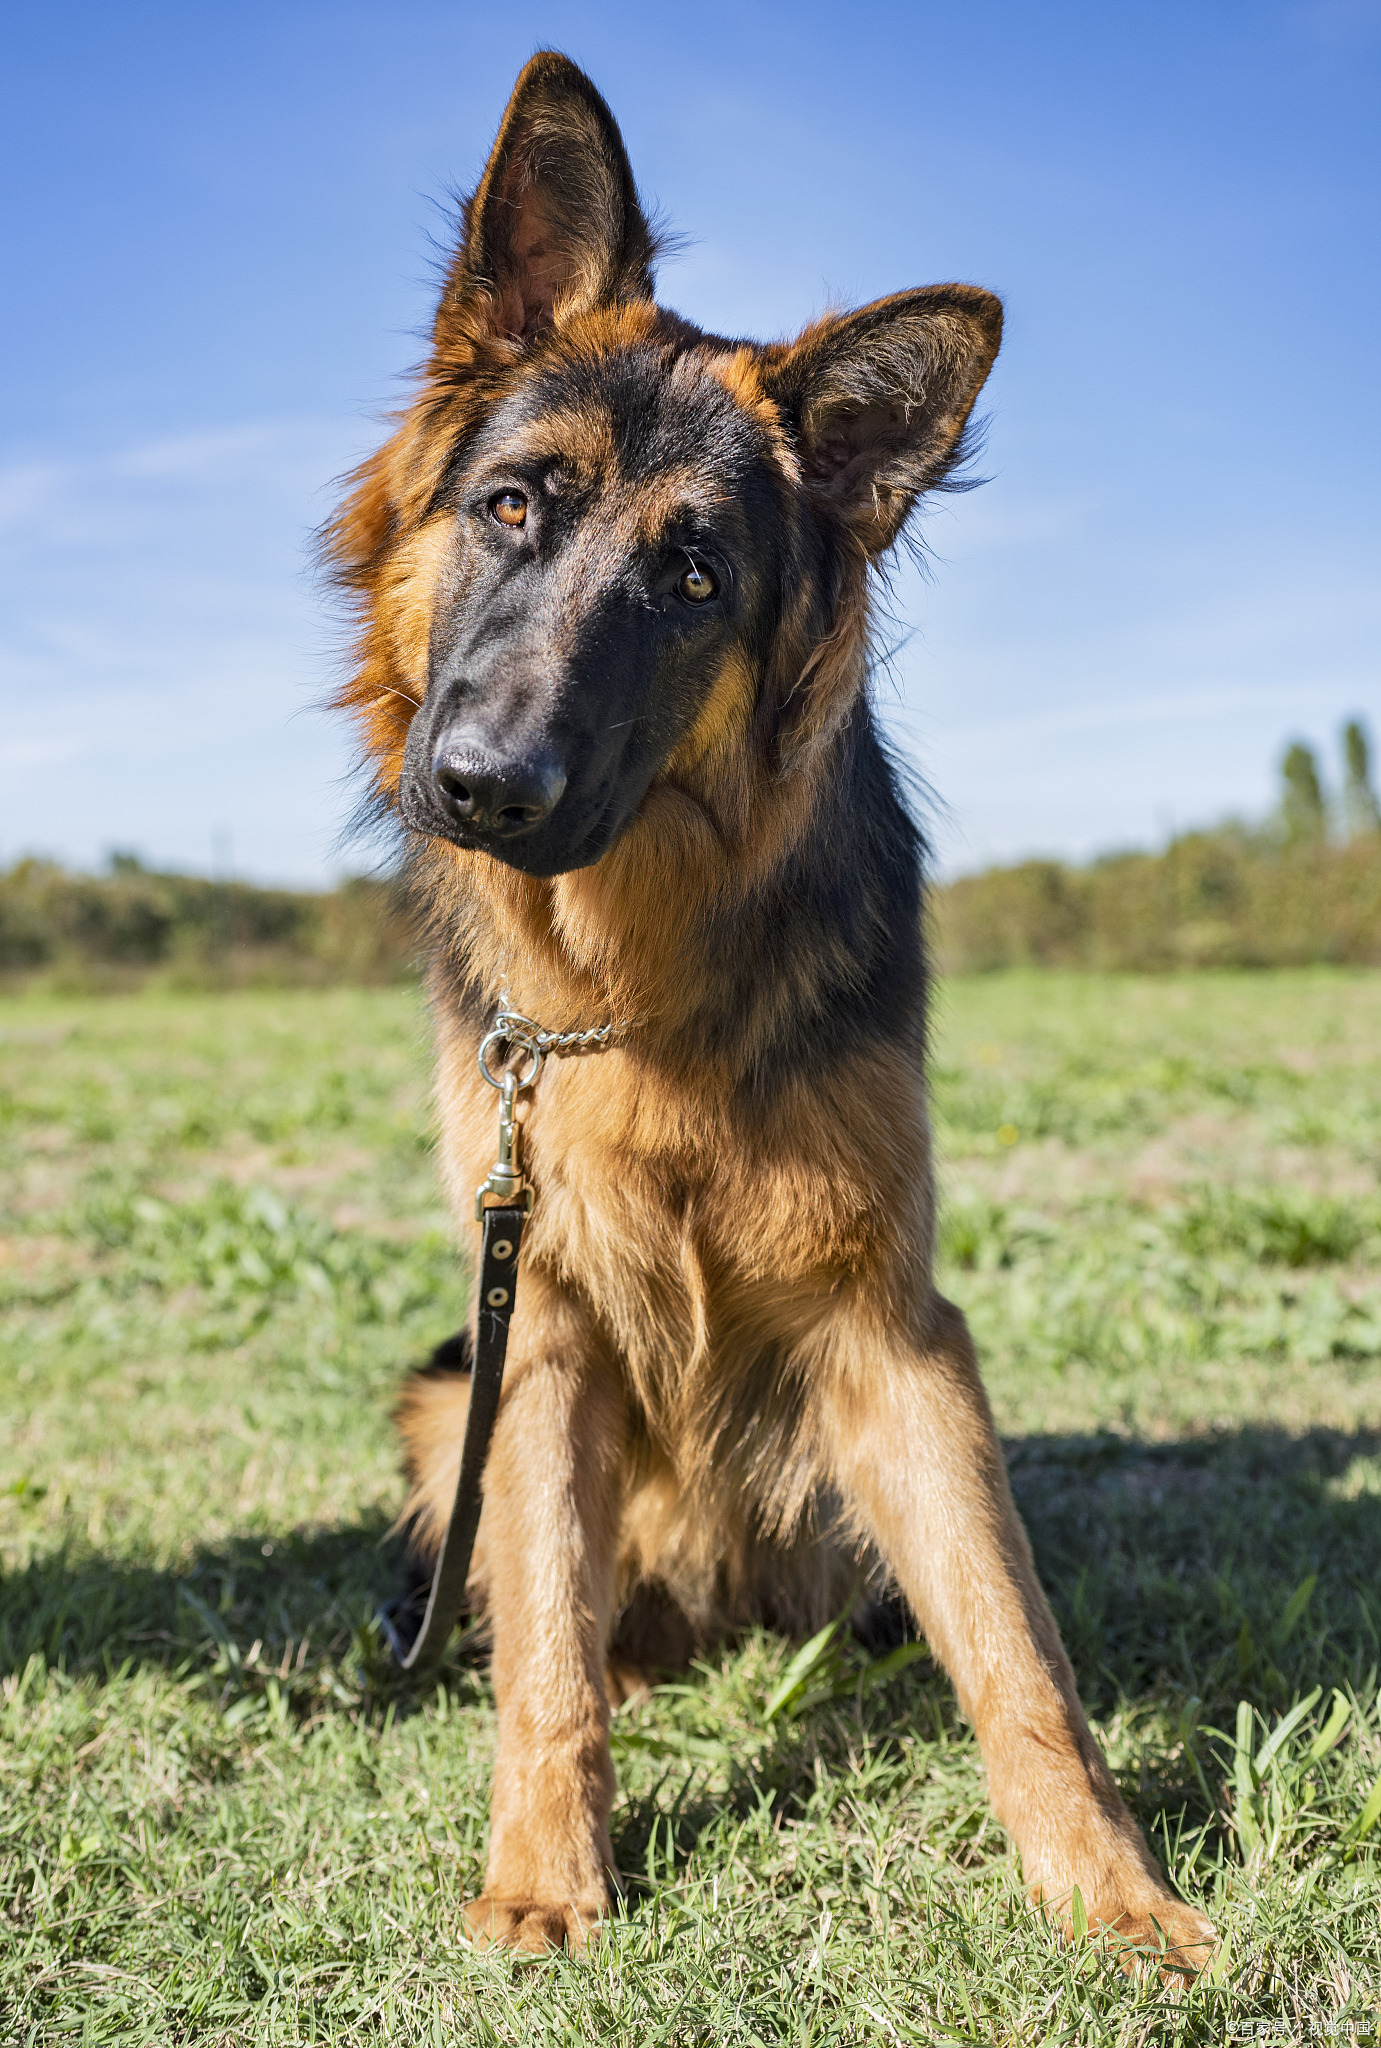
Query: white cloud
{"x": 92, "y": 497}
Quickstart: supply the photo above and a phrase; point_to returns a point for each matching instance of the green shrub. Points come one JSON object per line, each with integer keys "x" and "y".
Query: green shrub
{"x": 1229, "y": 898}
{"x": 86, "y": 932}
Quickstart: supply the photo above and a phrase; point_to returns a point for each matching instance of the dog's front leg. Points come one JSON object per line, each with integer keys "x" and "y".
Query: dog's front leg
{"x": 549, "y": 1531}
{"x": 910, "y": 1437}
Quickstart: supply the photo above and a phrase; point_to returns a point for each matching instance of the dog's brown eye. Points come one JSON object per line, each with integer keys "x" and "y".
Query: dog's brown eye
{"x": 697, "y": 585}
{"x": 509, "y": 508}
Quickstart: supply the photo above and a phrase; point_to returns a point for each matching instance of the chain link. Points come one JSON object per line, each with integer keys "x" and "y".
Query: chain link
{"x": 517, "y": 1033}
{"x": 523, "y": 1031}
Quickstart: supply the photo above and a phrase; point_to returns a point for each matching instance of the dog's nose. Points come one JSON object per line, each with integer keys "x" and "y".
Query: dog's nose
{"x": 500, "y": 798}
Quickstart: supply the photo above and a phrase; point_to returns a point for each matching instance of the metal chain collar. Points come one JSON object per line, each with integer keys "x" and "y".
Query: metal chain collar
{"x": 505, "y": 1182}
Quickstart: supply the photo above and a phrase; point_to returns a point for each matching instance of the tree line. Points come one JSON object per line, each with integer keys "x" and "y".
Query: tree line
{"x": 1302, "y": 886}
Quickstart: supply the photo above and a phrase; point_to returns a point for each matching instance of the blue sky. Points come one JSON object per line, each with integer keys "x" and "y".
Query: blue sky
{"x": 217, "y": 258}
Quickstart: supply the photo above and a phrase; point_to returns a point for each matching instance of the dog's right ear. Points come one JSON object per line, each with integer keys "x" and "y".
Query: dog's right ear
{"x": 555, "y": 226}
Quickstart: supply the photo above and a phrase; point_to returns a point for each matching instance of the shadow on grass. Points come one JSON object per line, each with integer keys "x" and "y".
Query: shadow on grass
{"x": 1188, "y": 1564}
{"x": 89, "y": 1611}
{"x": 1247, "y": 1565}
{"x": 1170, "y": 1566}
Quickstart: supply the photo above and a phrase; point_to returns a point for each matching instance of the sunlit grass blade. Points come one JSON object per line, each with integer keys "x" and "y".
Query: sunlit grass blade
{"x": 802, "y": 1668}
{"x": 895, "y": 1661}
{"x": 1244, "y": 1781}
{"x": 1078, "y": 1915}
{"x": 1282, "y": 1732}
{"x": 1220, "y": 1969}
{"x": 1367, "y": 1818}
{"x": 1331, "y": 1732}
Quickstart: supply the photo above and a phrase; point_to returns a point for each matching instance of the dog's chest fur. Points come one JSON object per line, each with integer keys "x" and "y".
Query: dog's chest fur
{"x": 711, "y": 1236}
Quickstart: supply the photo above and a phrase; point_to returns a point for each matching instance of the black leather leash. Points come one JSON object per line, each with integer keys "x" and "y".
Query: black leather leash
{"x": 498, "y": 1286}
{"x": 503, "y": 1203}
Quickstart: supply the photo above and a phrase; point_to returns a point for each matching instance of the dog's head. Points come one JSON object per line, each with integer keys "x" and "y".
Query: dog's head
{"x": 604, "y": 550}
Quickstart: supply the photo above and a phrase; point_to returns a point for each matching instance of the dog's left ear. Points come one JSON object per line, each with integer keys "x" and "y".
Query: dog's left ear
{"x": 879, "y": 399}
{"x": 555, "y": 225}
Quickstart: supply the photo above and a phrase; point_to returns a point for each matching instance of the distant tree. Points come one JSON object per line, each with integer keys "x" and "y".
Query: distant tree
{"x": 1301, "y": 796}
{"x": 1361, "y": 811}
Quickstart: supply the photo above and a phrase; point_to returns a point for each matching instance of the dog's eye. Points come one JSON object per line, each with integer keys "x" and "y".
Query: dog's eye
{"x": 509, "y": 508}
{"x": 697, "y": 585}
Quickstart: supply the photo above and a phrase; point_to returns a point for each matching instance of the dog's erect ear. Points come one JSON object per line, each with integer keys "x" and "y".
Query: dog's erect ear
{"x": 878, "y": 400}
{"x": 555, "y": 225}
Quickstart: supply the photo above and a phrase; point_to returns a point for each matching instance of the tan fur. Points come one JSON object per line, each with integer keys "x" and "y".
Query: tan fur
{"x": 732, "y": 1389}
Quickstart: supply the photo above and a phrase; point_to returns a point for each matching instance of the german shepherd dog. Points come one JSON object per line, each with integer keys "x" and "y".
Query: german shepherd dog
{"x": 613, "y": 586}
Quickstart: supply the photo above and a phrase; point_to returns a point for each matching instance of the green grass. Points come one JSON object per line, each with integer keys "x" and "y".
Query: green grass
{"x": 220, "y": 1244}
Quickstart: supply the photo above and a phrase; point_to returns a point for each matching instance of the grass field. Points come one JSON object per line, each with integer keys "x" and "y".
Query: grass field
{"x": 222, "y": 1243}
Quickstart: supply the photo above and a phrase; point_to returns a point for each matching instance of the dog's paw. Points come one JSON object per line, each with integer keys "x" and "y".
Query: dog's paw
{"x": 532, "y": 1926}
{"x": 1160, "y": 1935}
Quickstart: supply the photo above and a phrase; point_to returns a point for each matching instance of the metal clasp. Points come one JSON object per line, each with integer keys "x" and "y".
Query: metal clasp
{"x": 504, "y": 1184}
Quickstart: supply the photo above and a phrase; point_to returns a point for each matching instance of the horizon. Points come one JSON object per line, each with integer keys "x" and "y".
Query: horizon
{"x": 219, "y": 237}
{"x": 1263, "y": 832}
